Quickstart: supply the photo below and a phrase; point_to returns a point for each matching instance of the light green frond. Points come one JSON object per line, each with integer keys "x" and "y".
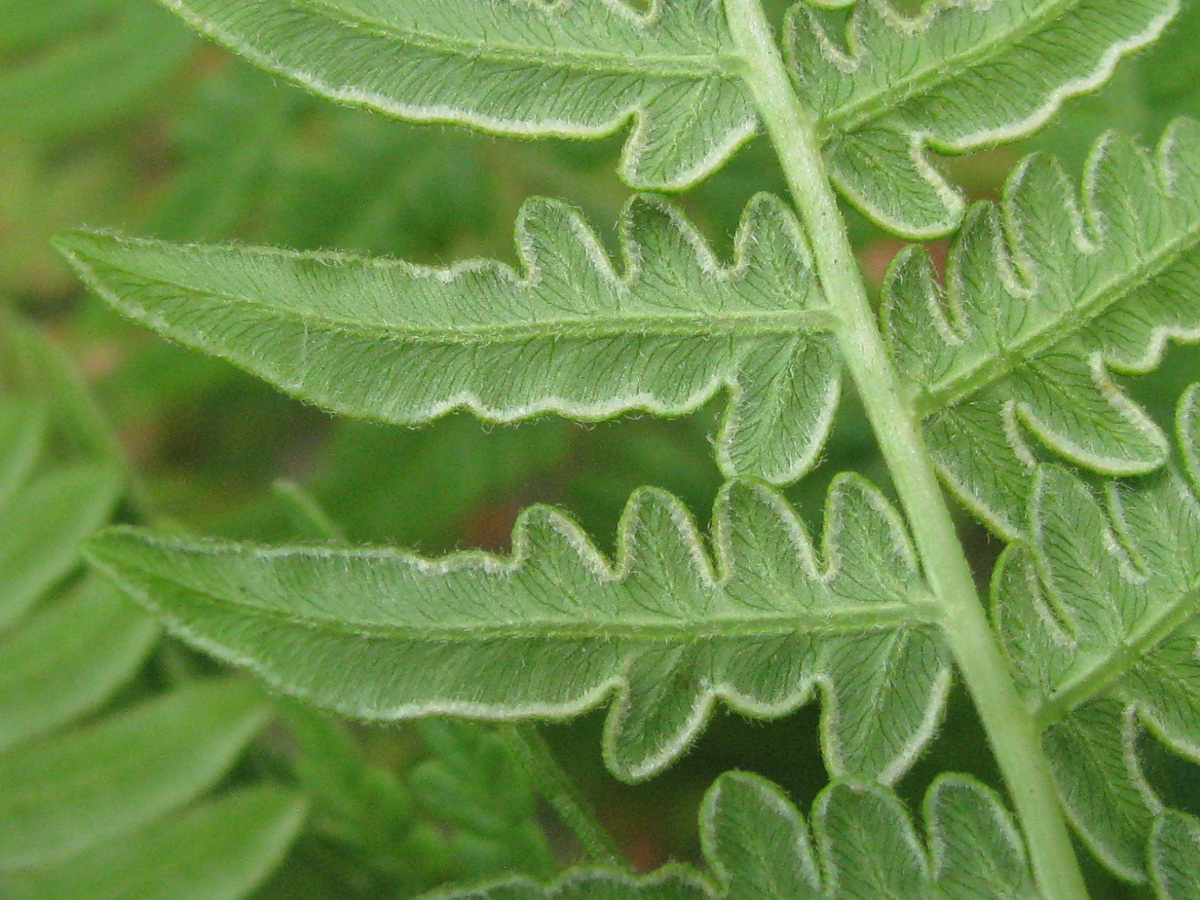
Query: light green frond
{"x": 102, "y": 809}
{"x": 44, "y": 513}
{"x": 572, "y": 68}
{"x": 125, "y": 771}
{"x": 569, "y": 334}
{"x": 1043, "y": 298}
{"x": 862, "y": 843}
{"x": 67, "y": 658}
{"x": 555, "y": 629}
{"x": 247, "y": 830}
{"x": 1098, "y": 614}
{"x": 960, "y": 75}
{"x": 22, "y": 435}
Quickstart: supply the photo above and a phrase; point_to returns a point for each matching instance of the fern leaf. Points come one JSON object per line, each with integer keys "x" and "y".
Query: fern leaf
{"x": 862, "y": 844}
{"x": 1175, "y": 857}
{"x": 555, "y": 628}
{"x": 527, "y": 67}
{"x": 961, "y": 75}
{"x": 1043, "y": 299}
{"x": 112, "y": 828}
{"x": 401, "y": 343}
{"x": 247, "y": 830}
{"x": 68, "y": 658}
{"x": 1098, "y": 615}
{"x": 121, "y": 51}
{"x": 41, "y": 526}
{"x": 22, "y": 435}
{"x": 474, "y": 782}
{"x": 126, "y": 770}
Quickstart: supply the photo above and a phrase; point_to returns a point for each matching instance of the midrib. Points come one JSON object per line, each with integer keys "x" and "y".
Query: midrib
{"x": 944, "y": 69}
{"x": 590, "y": 60}
{"x": 973, "y": 378}
{"x": 827, "y": 620}
{"x": 1106, "y": 673}
{"x": 597, "y": 325}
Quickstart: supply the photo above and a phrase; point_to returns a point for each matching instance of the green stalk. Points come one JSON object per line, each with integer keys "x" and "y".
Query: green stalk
{"x": 560, "y": 791}
{"x": 1010, "y": 727}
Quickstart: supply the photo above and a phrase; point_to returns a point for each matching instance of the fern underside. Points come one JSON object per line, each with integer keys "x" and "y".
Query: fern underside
{"x": 991, "y": 381}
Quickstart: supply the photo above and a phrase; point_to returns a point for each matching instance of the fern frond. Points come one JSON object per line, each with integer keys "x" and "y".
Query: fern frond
{"x": 467, "y": 811}
{"x": 120, "y": 50}
{"x": 43, "y": 515}
{"x": 1098, "y": 614}
{"x": 569, "y": 334}
{"x": 114, "y": 826}
{"x": 475, "y": 785}
{"x": 961, "y": 75}
{"x": 67, "y": 658}
{"x": 126, "y": 771}
{"x": 527, "y": 67}
{"x": 216, "y": 849}
{"x": 862, "y": 843}
{"x": 556, "y": 628}
{"x": 1043, "y": 298}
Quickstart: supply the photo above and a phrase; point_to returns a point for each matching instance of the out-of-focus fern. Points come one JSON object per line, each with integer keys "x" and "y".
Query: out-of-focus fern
{"x": 69, "y": 67}
{"x": 135, "y": 819}
{"x": 466, "y": 810}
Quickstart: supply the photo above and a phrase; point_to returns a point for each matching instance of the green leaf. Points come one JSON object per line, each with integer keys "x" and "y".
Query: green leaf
{"x": 569, "y": 334}
{"x": 24, "y": 24}
{"x": 66, "y": 793}
{"x": 220, "y": 850}
{"x": 556, "y": 628}
{"x": 674, "y": 883}
{"x": 526, "y": 67}
{"x": 862, "y": 844}
{"x": 22, "y": 433}
{"x": 959, "y": 76}
{"x": 84, "y": 80}
{"x": 1098, "y": 614}
{"x": 41, "y": 527}
{"x": 974, "y": 844}
{"x": 92, "y": 811}
{"x": 67, "y": 658}
{"x": 1175, "y": 857}
{"x": 1043, "y": 300}
{"x": 474, "y": 782}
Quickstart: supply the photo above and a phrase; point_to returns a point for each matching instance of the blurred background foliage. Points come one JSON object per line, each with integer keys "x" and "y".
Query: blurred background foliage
{"x": 113, "y": 114}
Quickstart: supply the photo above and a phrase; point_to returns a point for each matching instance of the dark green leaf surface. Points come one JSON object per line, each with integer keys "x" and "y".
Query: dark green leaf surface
{"x": 1175, "y": 857}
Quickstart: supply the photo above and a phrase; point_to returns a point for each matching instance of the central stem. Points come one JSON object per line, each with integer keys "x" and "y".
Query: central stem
{"x": 1010, "y": 728}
